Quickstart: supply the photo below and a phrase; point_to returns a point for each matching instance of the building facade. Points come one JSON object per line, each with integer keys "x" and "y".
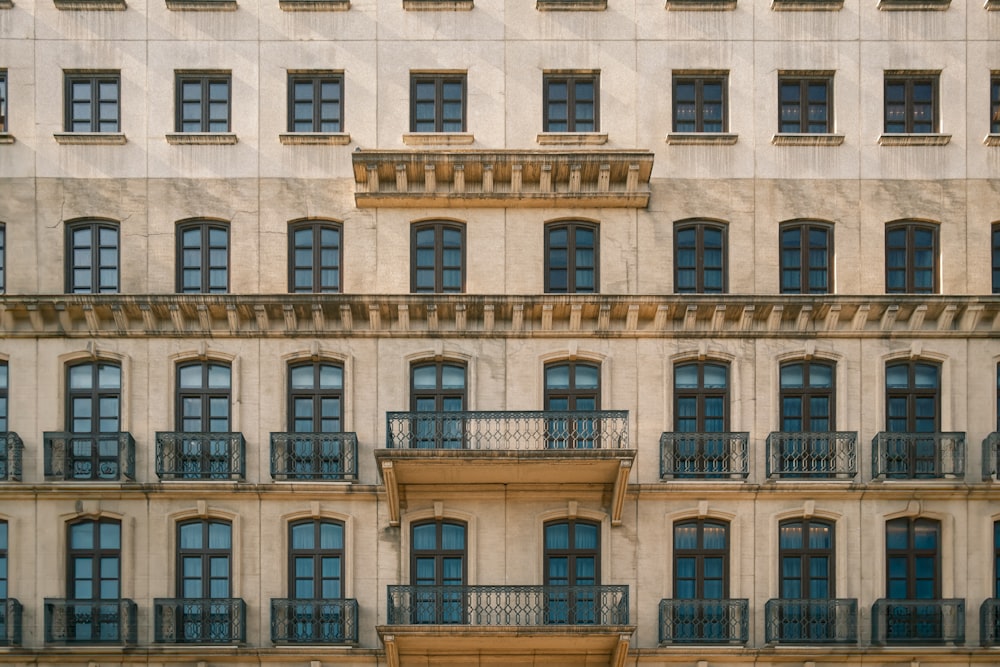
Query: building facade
{"x": 484, "y": 332}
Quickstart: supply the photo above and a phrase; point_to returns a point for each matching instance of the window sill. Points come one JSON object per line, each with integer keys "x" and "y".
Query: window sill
{"x": 701, "y": 138}
{"x": 789, "y": 139}
{"x": 701, "y": 5}
{"x": 571, "y": 5}
{"x": 807, "y": 5}
{"x": 914, "y": 139}
{"x": 314, "y": 5}
{"x": 913, "y": 5}
{"x": 437, "y": 5}
{"x": 438, "y": 138}
{"x": 315, "y": 138}
{"x": 572, "y": 138}
{"x": 90, "y": 138}
{"x": 201, "y": 5}
{"x": 92, "y": 5}
{"x": 200, "y": 138}
{"x": 992, "y": 139}
{"x": 6, "y": 138}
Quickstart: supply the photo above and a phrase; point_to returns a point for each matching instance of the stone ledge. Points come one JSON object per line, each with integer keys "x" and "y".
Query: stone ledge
{"x": 701, "y": 5}
{"x": 314, "y": 5}
{"x": 90, "y": 138}
{"x": 807, "y": 5}
{"x": 438, "y": 138}
{"x": 572, "y": 138}
{"x": 702, "y": 138}
{"x": 992, "y": 139}
{"x": 992, "y": 5}
{"x": 913, "y": 5}
{"x": 91, "y": 5}
{"x": 201, "y": 138}
{"x": 571, "y": 5}
{"x": 6, "y": 138}
{"x": 315, "y": 138}
{"x": 788, "y": 139}
{"x": 930, "y": 139}
{"x": 202, "y": 5}
{"x": 6, "y": 4}
{"x": 437, "y": 5}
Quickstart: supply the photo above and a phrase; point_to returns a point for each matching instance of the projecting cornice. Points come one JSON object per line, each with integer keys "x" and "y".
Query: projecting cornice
{"x": 281, "y": 315}
{"x": 483, "y": 178}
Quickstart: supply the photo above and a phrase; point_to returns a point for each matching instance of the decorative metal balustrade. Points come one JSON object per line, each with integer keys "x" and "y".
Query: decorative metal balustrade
{"x": 90, "y": 621}
{"x": 918, "y": 621}
{"x": 199, "y": 621}
{"x": 315, "y": 456}
{"x": 825, "y": 621}
{"x": 508, "y": 605}
{"x": 314, "y": 621}
{"x": 991, "y": 457}
{"x": 10, "y": 622}
{"x": 89, "y": 456}
{"x": 11, "y": 453}
{"x": 704, "y": 455}
{"x": 704, "y": 621}
{"x": 918, "y": 455}
{"x": 200, "y": 455}
{"x": 508, "y": 430}
{"x": 831, "y": 455}
{"x": 989, "y": 622}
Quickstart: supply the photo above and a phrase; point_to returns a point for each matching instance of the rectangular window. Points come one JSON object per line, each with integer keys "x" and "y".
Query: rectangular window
{"x": 3, "y": 100}
{"x": 203, "y": 258}
{"x": 315, "y": 102}
{"x": 203, "y": 101}
{"x": 437, "y": 102}
{"x": 804, "y": 104}
{"x": 93, "y": 102}
{"x": 995, "y": 103}
{"x": 571, "y": 102}
{"x": 700, "y": 103}
{"x": 92, "y": 257}
{"x": 571, "y": 258}
{"x": 806, "y": 257}
{"x": 437, "y": 257}
{"x": 911, "y": 102}
{"x": 3, "y": 259}
{"x": 314, "y": 257}
{"x": 995, "y": 258}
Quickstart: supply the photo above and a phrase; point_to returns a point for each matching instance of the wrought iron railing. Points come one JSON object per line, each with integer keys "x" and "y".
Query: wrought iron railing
{"x": 704, "y": 455}
{"x": 200, "y": 455}
{"x": 10, "y": 622}
{"x": 89, "y": 456}
{"x": 991, "y": 456}
{"x": 989, "y": 622}
{"x": 918, "y": 621}
{"x": 918, "y": 455}
{"x": 831, "y": 455}
{"x": 332, "y": 621}
{"x": 199, "y": 620}
{"x": 825, "y": 621}
{"x": 90, "y": 621}
{"x": 508, "y": 605}
{"x": 332, "y": 456}
{"x": 11, "y": 452}
{"x": 521, "y": 430}
{"x": 704, "y": 621}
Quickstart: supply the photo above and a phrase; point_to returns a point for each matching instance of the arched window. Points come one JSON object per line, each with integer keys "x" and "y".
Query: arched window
{"x": 437, "y": 387}
{"x": 438, "y": 555}
{"x": 316, "y": 559}
{"x": 437, "y": 257}
{"x": 3, "y": 248}
{"x": 572, "y": 559}
{"x": 911, "y": 258}
{"x": 203, "y": 257}
{"x": 995, "y": 259}
{"x": 700, "y": 258}
{"x": 913, "y": 406}
{"x": 805, "y": 555}
{"x": 204, "y": 391}
{"x": 701, "y": 572}
{"x": 315, "y": 397}
{"x": 315, "y": 255}
{"x": 92, "y": 257}
{"x": 573, "y": 386}
{"x": 806, "y": 257}
{"x": 701, "y": 407}
{"x": 4, "y": 383}
{"x": 913, "y": 572}
{"x": 204, "y": 559}
{"x": 571, "y": 258}
{"x": 807, "y": 418}
{"x": 93, "y": 417}
{"x": 4, "y": 568}
{"x": 93, "y": 565}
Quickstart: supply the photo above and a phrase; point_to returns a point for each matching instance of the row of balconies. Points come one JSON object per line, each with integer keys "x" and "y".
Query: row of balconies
{"x": 335, "y": 621}
{"x": 334, "y": 456}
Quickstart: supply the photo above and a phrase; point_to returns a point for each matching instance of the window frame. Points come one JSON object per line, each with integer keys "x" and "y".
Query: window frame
{"x": 573, "y": 393}
{"x": 316, "y": 393}
{"x": 805, "y": 249}
{"x": 204, "y": 248}
{"x": 805, "y": 554}
{"x": 700, "y": 553}
{"x": 94, "y": 81}
{"x": 909, "y": 80}
{"x": 995, "y": 102}
{"x": 908, "y": 267}
{"x": 439, "y": 393}
{"x": 316, "y": 248}
{"x": 439, "y": 80}
{"x": 4, "y": 397}
{"x": 804, "y": 80}
{"x": 204, "y": 394}
{"x": 699, "y": 80}
{"x": 572, "y": 248}
{"x": 4, "y": 102}
{"x": 912, "y": 393}
{"x": 572, "y": 552}
{"x": 911, "y": 554}
{"x": 571, "y": 79}
{"x": 97, "y": 553}
{"x": 701, "y": 393}
{"x": 439, "y": 606}
{"x": 806, "y": 393}
{"x": 4, "y": 559}
{"x": 95, "y": 226}
{"x": 439, "y": 269}
{"x": 204, "y": 78}
{"x": 317, "y": 554}
{"x": 699, "y": 269}
{"x": 995, "y": 256}
{"x": 317, "y": 79}
{"x": 3, "y": 258}
{"x": 205, "y": 553}
{"x": 996, "y": 559}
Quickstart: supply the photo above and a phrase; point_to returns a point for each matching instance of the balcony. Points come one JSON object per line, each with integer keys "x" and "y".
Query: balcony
{"x": 704, "y": 455}
{"x": 11, "y": 450}
{"x": 314, "y": 621}
{"x": 10, "y": 622}
{"x": 97, "y": 457}
{"x": 989, "y": 622}
{"x": 814, "y": 621}
{"x": 812, "y": 455}
{"x": 917, "y": 622}
{"x": 199, "y": 620}
{"x": 90, "y": 621}
{"x": 918, "y": 455}
{"x": 211, "y": 456}
{"x": 540, "y": 447}
{"x": 578, "y": 624}
{"x": 991, "y": 457}
{"x": 704, "y": 621}
{"x": 314, "y": 456}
